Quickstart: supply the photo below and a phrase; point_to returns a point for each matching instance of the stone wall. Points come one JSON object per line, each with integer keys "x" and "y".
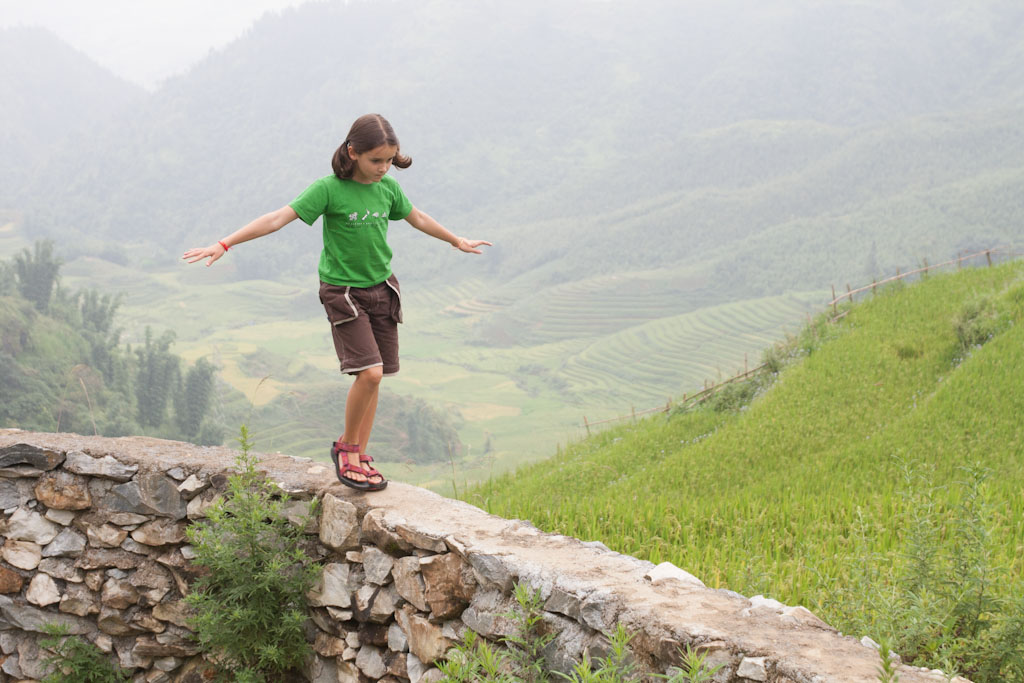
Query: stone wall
{"x": 93, "y": 535}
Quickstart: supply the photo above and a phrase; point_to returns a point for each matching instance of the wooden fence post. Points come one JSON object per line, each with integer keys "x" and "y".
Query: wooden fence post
{"x": 633, "y": 410}
{"x": 988, "y": 256}
{"x": 835, "y": 310}
{"x": 848, "y": 292}
{"x": 874, "y": 283}
{"x": 586, "y": 424}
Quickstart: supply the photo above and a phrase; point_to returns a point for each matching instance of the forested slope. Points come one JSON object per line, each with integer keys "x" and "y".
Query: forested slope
{"x": 585, "y": 137}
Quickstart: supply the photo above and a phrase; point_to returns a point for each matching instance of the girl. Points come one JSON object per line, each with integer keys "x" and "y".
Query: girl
{"x": 357, "y": 288}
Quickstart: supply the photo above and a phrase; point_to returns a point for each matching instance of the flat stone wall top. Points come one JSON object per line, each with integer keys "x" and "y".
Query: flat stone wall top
{"x": 664, "y": 606}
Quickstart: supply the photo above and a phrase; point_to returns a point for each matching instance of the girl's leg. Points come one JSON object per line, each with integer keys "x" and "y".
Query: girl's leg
{"x": 360, "y": 410}
{"x": 366, "y": 426}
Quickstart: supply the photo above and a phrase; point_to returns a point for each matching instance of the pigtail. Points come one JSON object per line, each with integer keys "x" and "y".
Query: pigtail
{"x": 342, "y": 163}
{"x": 401, "y": 161}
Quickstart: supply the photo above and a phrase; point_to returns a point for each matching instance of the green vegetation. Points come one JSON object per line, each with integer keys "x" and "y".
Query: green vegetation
{"x": 251, "y": 601}
{"x": 36, "y": 273}
{"x": 496, "y": 406}
{"x": 520, "y": 660}
{"x": 843, "y": 478}
{"x": 63, "y": 368}
{"x": 519, "y": 657}
{"x": 76, "y": 660}
{"x": 864, "y": 132}
{"x": 613, "y": 282}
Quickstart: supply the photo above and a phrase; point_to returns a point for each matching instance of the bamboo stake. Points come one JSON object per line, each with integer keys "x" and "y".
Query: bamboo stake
{"x": 92, "y": 416}
{"x": 586, "y": 424}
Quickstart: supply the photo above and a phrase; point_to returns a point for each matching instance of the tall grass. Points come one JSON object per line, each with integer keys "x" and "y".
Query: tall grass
{"x": 792, "y": 494}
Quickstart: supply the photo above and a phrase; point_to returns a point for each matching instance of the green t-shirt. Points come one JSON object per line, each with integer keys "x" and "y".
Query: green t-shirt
{"x": 356, "y": 251}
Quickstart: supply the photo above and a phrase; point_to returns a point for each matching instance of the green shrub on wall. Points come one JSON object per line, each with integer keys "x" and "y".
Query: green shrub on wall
{"x": 76, "y": 660}
{"x": 251, "y": 599}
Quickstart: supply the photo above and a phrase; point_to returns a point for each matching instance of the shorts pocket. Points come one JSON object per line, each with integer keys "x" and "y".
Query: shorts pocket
{"x": 396, "y": 298}
{"x": 338, "y": 303}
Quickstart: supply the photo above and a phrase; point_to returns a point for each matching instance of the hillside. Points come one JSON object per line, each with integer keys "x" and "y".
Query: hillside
{"x": 65, "y": 367}
{"x": 891, "y": 441}
{"x": 669, "y": 186}
{"x": 50, "y": 94}
{"x": 761, "y": 127}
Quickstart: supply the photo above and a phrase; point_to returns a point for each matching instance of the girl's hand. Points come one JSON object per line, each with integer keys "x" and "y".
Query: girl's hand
{"x": 213, "y": 252}
{"x": 470, "y": 246}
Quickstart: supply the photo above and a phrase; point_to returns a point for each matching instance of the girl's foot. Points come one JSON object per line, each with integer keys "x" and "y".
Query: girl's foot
{"x": 348, "y": 474}
{"x": 375, "y": 479}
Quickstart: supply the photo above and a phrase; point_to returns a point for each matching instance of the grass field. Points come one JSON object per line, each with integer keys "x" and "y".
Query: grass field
{"x": 598, "y": 348}
{"x": 880, "y": 422}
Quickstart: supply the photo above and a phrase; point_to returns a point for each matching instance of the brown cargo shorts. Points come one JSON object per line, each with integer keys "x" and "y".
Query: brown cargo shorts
{"x": 364, "y": 324}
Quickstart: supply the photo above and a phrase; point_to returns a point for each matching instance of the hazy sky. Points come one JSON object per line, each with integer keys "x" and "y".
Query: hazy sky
{"x": 143, "y": 41}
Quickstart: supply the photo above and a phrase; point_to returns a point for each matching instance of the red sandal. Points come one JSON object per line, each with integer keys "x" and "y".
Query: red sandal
{"x": 365, "y": 460}
{"x": 342, "y": 447}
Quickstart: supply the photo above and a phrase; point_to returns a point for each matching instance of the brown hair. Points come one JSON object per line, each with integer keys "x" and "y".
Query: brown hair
{"x": 368, "y": 132}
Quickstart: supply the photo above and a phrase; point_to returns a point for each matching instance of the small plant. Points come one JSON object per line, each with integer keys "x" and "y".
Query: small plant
{"x": 251, "y": 602}
{"x": 617, "y": 667}
{"x": 76, "y": 660}
{"x": 734, "y": 397}
{"x": 474, "y": 660}
{"x": 477, "y": 661}
{"x": 887, "y": 667}
{"x": 693, "y": 669}
{"x": 527, "y": 642}
{"x": 978, "y": 321}
{"x": 938, "y": 607}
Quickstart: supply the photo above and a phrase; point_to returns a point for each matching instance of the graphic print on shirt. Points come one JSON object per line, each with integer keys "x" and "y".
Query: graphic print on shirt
{"x": 354, "y": 216}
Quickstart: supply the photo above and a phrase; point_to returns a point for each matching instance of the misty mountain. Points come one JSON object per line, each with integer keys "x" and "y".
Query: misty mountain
{"x": 773, "y": 143}
{"x": 49, "y": 94}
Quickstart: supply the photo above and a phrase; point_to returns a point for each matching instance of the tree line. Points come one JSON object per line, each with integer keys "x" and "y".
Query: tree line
{"x": 63, "y": 367}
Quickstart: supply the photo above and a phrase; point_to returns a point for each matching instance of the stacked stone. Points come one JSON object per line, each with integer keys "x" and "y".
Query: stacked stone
{"x": 390, "y": 609}
{"x": 403, "y": 598}
{"x": 97, "y": 547}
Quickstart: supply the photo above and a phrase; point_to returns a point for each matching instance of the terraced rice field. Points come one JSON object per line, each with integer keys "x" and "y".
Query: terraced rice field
{"x": 670, "y": 356}
{"x": 596, "y": 347}
{"x": 588, "y": 308}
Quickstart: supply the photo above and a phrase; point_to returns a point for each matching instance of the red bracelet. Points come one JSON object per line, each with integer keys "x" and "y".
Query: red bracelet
{"x": 221, "y": 243}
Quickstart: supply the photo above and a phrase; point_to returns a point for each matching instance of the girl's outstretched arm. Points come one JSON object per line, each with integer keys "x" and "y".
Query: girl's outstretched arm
{"x": 424, "y": 223}
{"x": 264, "y": 225}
